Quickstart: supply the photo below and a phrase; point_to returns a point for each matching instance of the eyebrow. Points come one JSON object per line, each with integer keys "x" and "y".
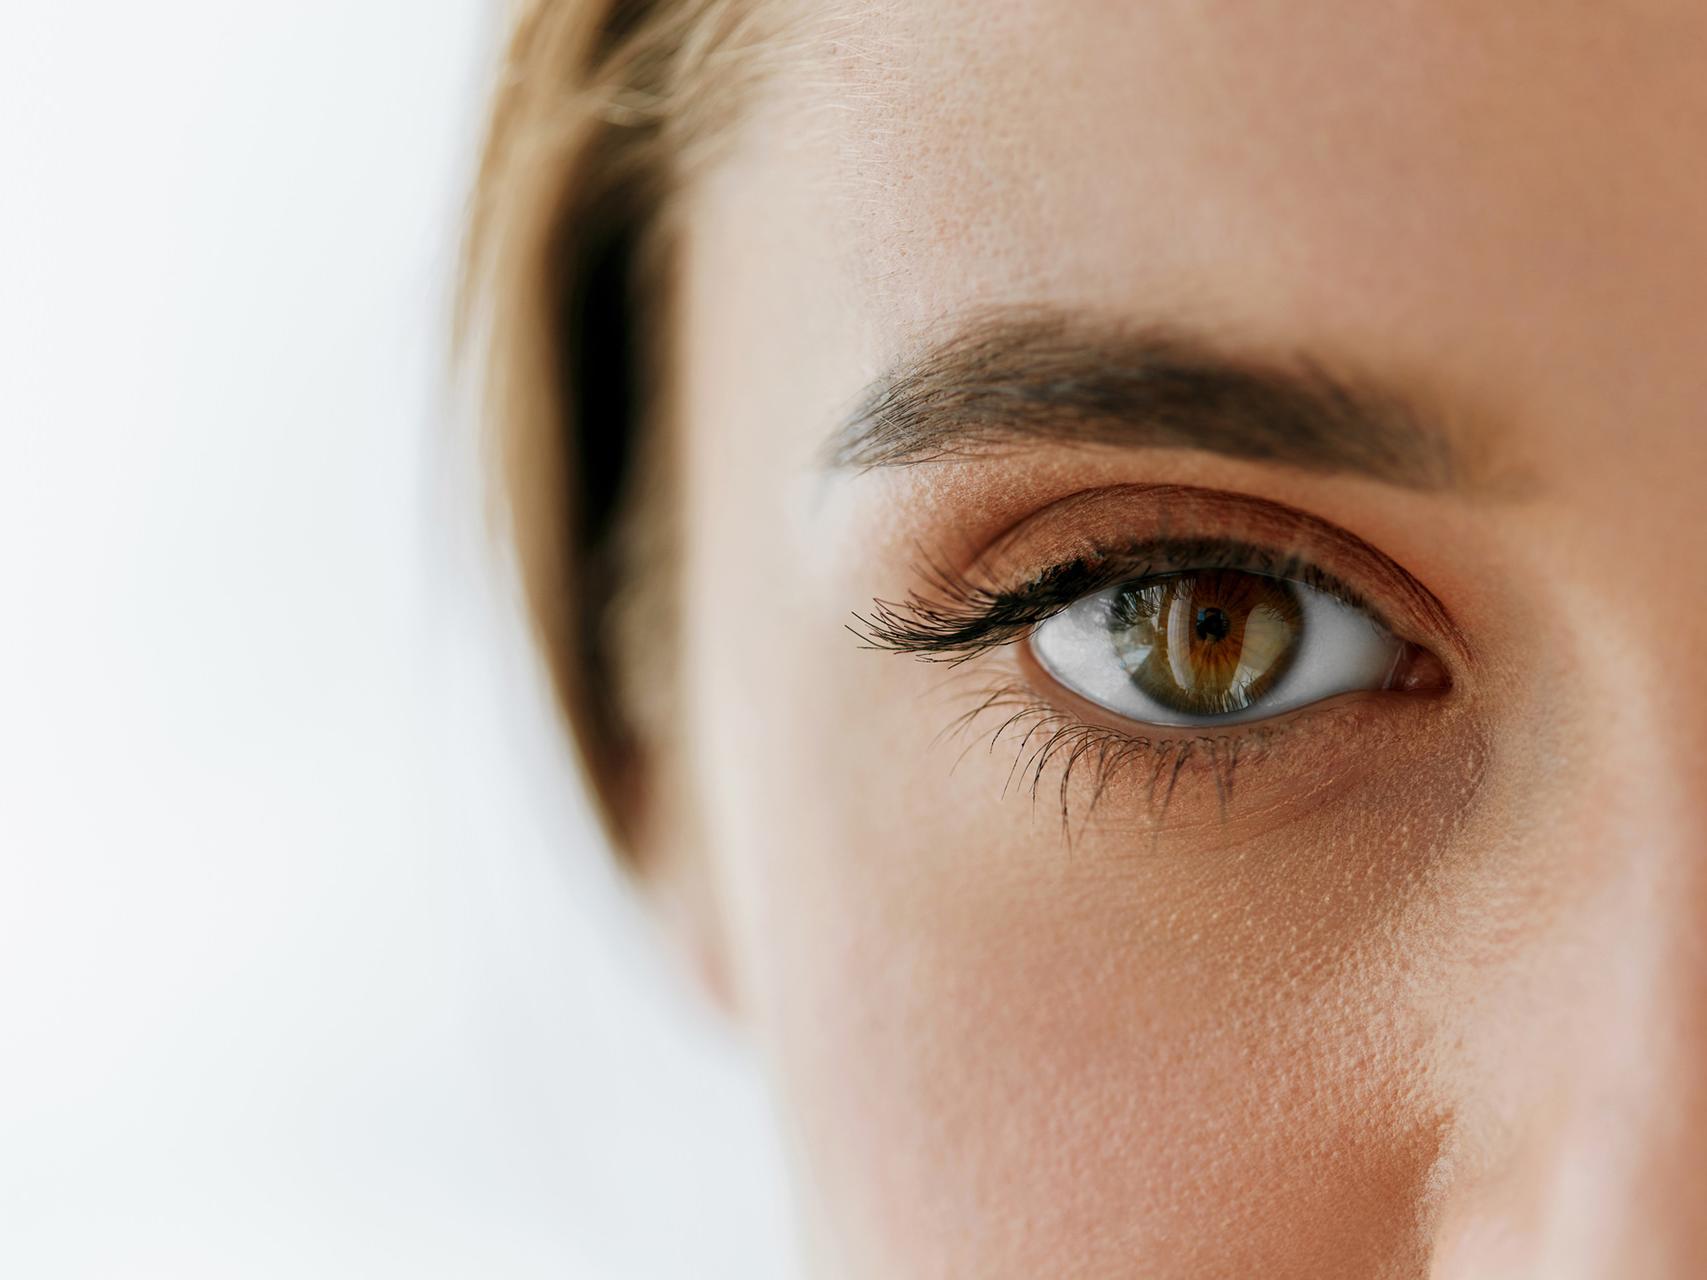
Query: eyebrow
{"x": 1024, "y": 378}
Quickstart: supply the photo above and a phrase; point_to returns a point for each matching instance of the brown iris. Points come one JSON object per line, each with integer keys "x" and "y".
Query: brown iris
{"x": 1209, "y": 641}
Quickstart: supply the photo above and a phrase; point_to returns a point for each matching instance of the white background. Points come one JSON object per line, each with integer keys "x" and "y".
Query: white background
{"x": 308, "y": 963}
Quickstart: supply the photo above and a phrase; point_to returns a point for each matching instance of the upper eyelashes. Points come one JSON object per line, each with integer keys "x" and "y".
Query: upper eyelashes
{"x": 955, "y": 618}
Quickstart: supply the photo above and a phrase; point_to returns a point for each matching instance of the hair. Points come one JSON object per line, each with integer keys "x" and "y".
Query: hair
{"x": 604, "y": 108}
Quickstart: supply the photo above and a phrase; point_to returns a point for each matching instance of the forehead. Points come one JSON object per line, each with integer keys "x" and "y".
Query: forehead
{"x": 1424, "y": 175}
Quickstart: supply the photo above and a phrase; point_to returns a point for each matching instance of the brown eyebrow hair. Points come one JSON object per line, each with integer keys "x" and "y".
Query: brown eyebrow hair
{"x": 1012, "y": 378}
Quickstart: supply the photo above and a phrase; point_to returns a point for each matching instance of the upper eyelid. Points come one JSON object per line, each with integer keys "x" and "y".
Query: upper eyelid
{"x": 1361, "y": 573}
{"x": 991, "y": 594}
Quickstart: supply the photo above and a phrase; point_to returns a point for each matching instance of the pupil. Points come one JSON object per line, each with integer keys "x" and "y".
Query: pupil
{"x": 1213, "y": 624}
{"x": 1206, "y": 642}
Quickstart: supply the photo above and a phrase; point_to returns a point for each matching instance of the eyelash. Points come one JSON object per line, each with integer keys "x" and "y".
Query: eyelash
{"x": 1047, "y": 734}
{"x": 956, "y": 619}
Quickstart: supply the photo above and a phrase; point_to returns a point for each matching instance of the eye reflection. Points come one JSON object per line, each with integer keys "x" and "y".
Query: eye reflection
{"x": 1206, "y": 643}
{"x": 1217, "y": 646}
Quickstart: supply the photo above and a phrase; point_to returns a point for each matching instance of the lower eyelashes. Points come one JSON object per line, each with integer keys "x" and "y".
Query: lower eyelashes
{"x": 1044, "y": 741}
{"x": 1132, "y": 777}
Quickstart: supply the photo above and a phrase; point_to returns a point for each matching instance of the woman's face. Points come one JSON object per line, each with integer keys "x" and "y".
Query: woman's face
{"x": 1328, "y": 895}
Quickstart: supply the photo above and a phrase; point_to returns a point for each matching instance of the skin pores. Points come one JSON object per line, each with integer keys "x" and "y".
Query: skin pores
{"x": 1425, "y": 992}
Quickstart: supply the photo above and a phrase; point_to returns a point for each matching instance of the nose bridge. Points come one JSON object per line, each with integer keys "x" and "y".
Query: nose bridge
{"x": 1603, "y": 1171}
{"x": 1628, "y": 1190}
{"x": 1600, "y": 1171}
{"x": 1622, "y": 1112}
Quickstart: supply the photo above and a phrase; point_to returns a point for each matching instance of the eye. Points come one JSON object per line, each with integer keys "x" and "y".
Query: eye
{"x": 1216, "y": 646}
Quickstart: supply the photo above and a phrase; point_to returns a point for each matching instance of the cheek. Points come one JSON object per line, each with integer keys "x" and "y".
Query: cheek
{"x": 1006, "y": 1054}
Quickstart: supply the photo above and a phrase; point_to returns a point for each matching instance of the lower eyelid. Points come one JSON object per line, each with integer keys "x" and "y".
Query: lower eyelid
{"x": 1075, "y": 756}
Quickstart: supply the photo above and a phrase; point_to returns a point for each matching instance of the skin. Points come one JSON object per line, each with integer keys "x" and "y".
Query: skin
{"x": 1428, "y": 997}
